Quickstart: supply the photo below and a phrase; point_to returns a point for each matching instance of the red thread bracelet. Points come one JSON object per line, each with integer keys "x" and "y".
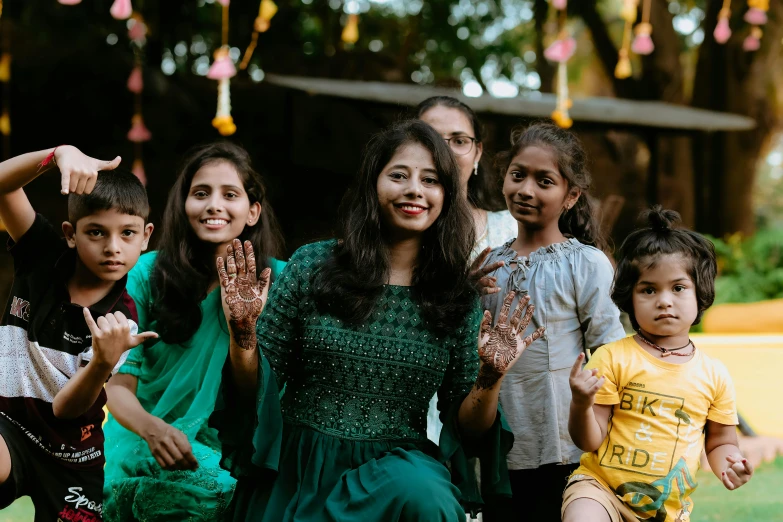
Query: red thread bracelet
{"x": 50, "y": 157}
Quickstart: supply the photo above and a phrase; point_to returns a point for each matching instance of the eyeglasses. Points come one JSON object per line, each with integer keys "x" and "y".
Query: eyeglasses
{"x": 461, "y": 145}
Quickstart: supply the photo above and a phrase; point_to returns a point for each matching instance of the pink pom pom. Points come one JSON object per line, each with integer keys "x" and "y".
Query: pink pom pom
{"x": 70, "y": 2}
{"x": 222, "y": 67}
{"x": 755, "y": 16}
{"x": 559, "y": 4}
{"x": 561, "y": 50}
{"x": 138, "y": 31}
{"x": 722, "y": 31}
{"x": 138, "y": 171}
{"x": 643, "y": 44}
{"x": 224, "y": 2}
{"x": 138, "y": 132}
{"x": 135, "y": 81}
{"x": 121, "y": 9}
{"x": 751, "y": 43}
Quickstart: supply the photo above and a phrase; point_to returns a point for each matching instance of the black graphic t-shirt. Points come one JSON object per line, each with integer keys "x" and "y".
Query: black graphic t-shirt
{"x": 44, "y": 339}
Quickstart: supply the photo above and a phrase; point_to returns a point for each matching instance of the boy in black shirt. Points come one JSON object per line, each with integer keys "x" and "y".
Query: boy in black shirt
{"x": 54, "y": 358}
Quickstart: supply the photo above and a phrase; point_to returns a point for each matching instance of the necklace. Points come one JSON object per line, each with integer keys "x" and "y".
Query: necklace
{"x": 665, "y": 352}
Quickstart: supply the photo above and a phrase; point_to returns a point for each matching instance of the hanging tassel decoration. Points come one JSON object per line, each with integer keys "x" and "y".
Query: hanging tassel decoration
{"x": 121, "y": 9}
{"x": 138, "y": 170}
{"x": 137, "y": 32}
{"x": 560, "y": 51}
{"x": 753, "y": 40}
{"x": 722, "y": 31}
{"x": 135, "y": 81}
{"x": 642, "y": 42}
{"x": 266, "y": 11}
{"x": 628, "y": 13}
{"x": 560, "y": 5}
{"x": 757, "y": 12}
{"x": 5, "y": 78}
{"x": 139, "y": 132}
{"x": 222, "y": 70}
{"x": 5, "y": 67}
{"x": 351, "y": 30}
{"x": 70, "y": 2}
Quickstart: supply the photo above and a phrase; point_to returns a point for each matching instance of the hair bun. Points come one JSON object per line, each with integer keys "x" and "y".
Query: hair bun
{"x": 660, "y": 219}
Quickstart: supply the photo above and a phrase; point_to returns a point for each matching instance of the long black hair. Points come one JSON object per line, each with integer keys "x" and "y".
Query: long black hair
{"x": 349, "y": 284}
{"x": 184, "y": 267}
{"x": 581, "y": 221}
{"x": 663, "y": 236}
{"x": 485, "y": 188}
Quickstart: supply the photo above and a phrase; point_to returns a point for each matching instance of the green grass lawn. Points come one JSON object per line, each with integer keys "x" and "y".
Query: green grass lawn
{"x": 759, "y": 501}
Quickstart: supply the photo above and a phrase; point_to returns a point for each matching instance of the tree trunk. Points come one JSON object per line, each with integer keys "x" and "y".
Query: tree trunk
{"x": 733, "y": 80}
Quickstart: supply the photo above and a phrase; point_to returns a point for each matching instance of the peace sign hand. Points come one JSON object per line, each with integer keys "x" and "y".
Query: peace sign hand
{"x": 78, "y": 171}
{"x": 242, "y": 294}
{"x": 500, "y": 346}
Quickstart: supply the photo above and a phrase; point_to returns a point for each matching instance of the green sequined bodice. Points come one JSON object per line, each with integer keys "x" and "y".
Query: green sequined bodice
{"x": 364, "y": 382}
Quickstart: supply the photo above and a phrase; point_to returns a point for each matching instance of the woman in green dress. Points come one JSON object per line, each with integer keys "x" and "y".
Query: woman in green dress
{"x": 362, "y": 331}
{"x": 162, "y": 459}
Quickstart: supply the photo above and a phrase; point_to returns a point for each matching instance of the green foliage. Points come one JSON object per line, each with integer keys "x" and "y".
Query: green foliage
{"x": 750, "y": 269}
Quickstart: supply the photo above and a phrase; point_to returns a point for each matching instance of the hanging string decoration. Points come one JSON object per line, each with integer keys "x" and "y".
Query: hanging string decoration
{"x": 628, "y": 13}
{"x": 642, "y": 42}
{"x": 351, "y": 30}
{"x": 560, "y": 51}
{"x": 266, "y": 10}
{"x": 722, "y": 31}
{"x": 222, "y": 70}
{"x": 756, "y": 16}
{"x": 138, "y": 133}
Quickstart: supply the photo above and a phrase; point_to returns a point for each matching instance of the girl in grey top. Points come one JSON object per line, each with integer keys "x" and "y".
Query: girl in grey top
{"x": 554, "y": 259}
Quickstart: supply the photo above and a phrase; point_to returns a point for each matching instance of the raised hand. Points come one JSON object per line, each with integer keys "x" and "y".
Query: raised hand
{"x": 111, "y": 337}
{"x": 78, "y": 171}
{"x": 242, "y": 293}
{"x": 584, "y": 384}
{"x": 484, "y": 283}
{"x": 738, "y": 471}
{"x": 500, "y": 346}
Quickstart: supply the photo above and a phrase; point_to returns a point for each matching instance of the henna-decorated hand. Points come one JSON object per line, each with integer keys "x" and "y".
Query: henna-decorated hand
{"x": 243, "y": 295}
{"x": 500, "y": 346}
{"x": 485, "y": 284}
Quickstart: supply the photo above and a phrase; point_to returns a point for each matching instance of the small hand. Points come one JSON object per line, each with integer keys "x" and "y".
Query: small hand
{"x": 111, "y": 337}
{"x": 484, "y": 283}
{"x": 737, "y": 473}
{"x": 78, "y": 171}
{"x": 500, "y": 346}
{"x": 243, "y": 294}
{"x": 584, "y": 384}
{"x": 170, "y": 447}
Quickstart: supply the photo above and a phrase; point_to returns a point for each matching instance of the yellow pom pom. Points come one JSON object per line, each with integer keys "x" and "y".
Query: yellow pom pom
{"x": 562, "y": 119}
{"x": 267, "y": 9}
{"x": 224, "y": 125}
{"x": 5, "y": 67}
{"x": 351, "y": 29}
{"x": 623, "y": 69}
{"x": 5, "y": 124}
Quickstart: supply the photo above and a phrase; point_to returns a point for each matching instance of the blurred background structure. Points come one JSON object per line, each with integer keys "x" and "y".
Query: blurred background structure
{"x": 693, "y": 124}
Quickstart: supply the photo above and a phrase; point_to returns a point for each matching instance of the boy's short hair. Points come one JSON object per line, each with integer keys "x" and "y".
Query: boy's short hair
{"x": 116, "y": 189}
{"x": 662, "y": 236}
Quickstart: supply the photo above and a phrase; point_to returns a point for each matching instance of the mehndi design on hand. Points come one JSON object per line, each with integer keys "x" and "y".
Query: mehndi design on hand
{"x": 244, "y": 293}
{"x": 500, "y": 346}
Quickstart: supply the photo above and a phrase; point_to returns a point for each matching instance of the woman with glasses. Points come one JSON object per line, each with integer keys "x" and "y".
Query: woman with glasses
{"x": 494, "y": 225}
{"x": 462, "y": 130}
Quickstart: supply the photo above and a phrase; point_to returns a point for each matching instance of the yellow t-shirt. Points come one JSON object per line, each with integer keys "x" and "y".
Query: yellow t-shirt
{"x": 655, "y": 435}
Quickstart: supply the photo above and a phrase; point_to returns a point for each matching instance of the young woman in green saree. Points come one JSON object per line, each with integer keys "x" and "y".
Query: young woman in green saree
{"x": 162, "y": 458}
{"x": 362, "y": 331}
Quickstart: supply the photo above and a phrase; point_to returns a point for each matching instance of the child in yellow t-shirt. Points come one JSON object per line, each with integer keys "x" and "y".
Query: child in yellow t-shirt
{"x": 645, "y": 406}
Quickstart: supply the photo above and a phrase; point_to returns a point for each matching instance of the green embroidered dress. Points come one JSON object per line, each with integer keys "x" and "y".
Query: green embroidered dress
{"x": 348, "y": 443}
{"x": 179, "y": 384}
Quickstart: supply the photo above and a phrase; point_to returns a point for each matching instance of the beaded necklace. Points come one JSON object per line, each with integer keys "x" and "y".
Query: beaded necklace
{"x": 665, "y": 352}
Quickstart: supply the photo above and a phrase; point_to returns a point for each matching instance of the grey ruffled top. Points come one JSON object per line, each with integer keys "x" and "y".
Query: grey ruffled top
{"x": 570, "y": 285}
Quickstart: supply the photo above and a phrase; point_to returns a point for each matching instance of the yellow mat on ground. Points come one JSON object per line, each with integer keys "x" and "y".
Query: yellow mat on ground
{"x": 755, "y": 363}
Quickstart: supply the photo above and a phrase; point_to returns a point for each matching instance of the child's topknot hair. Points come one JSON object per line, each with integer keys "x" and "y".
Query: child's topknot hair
{"x": 663, "y": 236}
{"x": 114, "y": 190}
